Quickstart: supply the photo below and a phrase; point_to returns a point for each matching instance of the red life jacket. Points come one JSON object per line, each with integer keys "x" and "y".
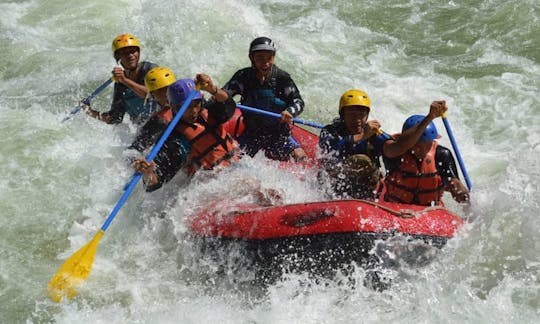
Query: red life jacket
{"x": 165, "y": 115}
{"x": 211, "y": 145}
{"x": 415, "y": 181}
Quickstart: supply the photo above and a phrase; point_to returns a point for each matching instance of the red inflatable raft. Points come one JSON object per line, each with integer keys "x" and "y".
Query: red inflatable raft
{"x": 251, "y": 222}
{"x": 320, "y": 234}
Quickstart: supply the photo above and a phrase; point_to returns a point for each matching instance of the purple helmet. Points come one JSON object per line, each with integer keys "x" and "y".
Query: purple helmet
{"x": 178, "y": 92}
{"x": 430, "y": 133}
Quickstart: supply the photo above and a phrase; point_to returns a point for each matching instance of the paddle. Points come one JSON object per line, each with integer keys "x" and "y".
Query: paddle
{"x": 296, "y": 120}
{"x": 268, "y": 113}
{"x": 76, "y": 268}
{"x": 456, "y": 150}
{"x": 88, "y": 99}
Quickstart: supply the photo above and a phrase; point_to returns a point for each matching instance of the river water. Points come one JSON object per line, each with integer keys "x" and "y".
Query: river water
{"x": 61, "y": 180}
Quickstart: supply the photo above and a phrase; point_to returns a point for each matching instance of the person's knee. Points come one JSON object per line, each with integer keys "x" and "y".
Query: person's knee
{"x": 299, "y": 154}
{"x": 358, "y": 166}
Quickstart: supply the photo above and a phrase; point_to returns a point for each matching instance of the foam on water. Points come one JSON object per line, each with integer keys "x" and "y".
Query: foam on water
{"x": 61, "y": 180}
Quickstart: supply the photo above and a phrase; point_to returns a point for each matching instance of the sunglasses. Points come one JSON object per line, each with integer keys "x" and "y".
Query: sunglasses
{"x": 127, "y": 51}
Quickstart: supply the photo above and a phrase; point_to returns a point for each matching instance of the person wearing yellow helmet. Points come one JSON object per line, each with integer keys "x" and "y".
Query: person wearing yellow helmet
{"x": 129, "y": 90}
{"x": 351, "y": 148}
{"x": 156, "y": 81}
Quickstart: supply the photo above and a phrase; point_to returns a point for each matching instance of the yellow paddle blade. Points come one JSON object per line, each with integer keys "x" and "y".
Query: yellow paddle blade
{"x": 74, "y": 271}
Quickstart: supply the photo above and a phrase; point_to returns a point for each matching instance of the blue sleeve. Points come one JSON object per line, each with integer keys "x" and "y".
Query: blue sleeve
{"x": 342, "y": 146}
{"x": 378, "y": 142}
{"x": 330, "y": 141}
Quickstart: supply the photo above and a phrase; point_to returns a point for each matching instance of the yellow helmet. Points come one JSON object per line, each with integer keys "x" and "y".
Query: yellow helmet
{"x": 158, "y": 77}
{"x": 354, "y": 98}
{"x": 124, "y": 40}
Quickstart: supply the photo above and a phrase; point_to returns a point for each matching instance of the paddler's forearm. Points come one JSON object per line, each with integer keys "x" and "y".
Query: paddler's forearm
{"x": 104, "y": 117}
{"x": 220, "y": 95}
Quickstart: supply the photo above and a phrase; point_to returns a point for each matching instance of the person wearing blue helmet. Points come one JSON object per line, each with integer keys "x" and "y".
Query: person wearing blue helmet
{"x": 199, "y": 141}
{"x": 419, "y": 170}
{"x": 265, "y": 86}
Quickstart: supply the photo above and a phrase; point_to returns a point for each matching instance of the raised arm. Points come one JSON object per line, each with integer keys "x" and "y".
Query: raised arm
{"x": 395, "y": 148}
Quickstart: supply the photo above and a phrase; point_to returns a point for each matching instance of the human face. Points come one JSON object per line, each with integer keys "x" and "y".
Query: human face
{"x": 160, "y": 95}
{"x": 193, "y": 111}
{"x": 355, "y": 118}
{"x": 128, "y": 56}
{"x": 262, "y": 61}
{"x": 420, "y": 149}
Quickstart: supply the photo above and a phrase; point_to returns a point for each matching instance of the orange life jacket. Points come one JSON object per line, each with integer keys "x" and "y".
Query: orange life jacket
{"x": 235, "y": 126}
{"x": 211, "y": 145}
{"x": 415, "y": 181}
{"x": 165, "y": 115}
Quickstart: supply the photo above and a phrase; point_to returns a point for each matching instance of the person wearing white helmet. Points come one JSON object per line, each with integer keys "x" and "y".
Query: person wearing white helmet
{"x": 129, "y": 90}
{"x": 265, "y": 86}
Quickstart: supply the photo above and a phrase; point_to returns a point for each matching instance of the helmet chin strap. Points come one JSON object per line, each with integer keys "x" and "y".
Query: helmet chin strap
{"x": 119, "y": 62}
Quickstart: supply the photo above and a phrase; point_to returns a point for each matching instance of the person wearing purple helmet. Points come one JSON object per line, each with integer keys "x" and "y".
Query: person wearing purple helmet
{"x": 265, "y": 86}
{"x": 419, "y": 170}
{"x": 199, "y": 141}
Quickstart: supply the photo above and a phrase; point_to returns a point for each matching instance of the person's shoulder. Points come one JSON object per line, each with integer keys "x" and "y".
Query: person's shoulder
{"x": 383, "y": 137}
{"x": 280, "y": 72}
{"x": 240, "y": 76}
{"x": 335, "y": 125}
{"x": 442, "y": 149}
{"x": 442, "y": 153}
{"x": 338, "y": 121}
{"x": 243, "y": 71}
{"x": 148, "y": 63}
{"x": 147, "y": 66}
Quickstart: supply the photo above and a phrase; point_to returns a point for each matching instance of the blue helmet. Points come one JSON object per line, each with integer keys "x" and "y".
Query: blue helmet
{"x": 430, "y": 133}
{"x": 178, "y": 92}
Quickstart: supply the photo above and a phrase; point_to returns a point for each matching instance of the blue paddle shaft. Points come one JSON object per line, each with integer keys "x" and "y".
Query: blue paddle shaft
{"x": 88, "y": 99}
{"x": 153, "y": 153}
{"x": 271, "y": 114}
{"x": 458, "y": 154}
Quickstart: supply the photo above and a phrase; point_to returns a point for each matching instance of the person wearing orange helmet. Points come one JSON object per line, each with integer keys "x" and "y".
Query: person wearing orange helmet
{"x": 129, "y": 90}
{"x": 351, "y": 148}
